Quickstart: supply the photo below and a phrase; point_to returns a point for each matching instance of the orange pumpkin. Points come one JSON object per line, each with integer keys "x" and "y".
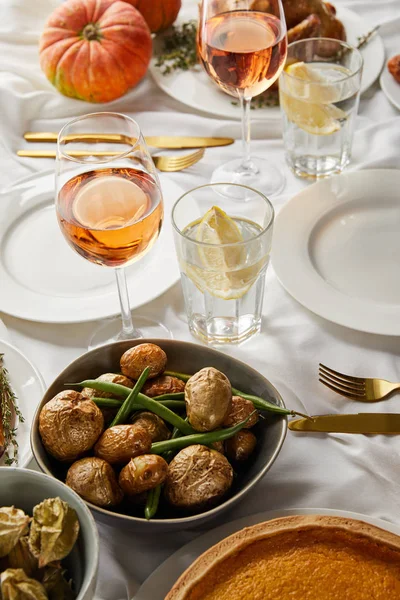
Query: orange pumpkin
{"x": 95, "y": 50}
{"x": 159, "y": 14}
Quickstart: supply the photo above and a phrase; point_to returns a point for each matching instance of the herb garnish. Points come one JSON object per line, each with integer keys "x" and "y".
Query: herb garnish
{"x": 179, "y": 50}
{"x": 8, "y": 406}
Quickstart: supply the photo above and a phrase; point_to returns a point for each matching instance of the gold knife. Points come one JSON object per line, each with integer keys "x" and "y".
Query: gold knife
{"x": 158, "y": 141}
{"x": 388, "y": 423}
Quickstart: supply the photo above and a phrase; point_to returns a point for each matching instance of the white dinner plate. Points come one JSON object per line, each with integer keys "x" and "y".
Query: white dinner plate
{"x": 43, "y": 279}
{"x": 29, "y": 387}
{"x": 162, "y": 579}
{"x": 336, "y": 249}
{"x": 390, "y": 87}
{"x": 195, "y": 89}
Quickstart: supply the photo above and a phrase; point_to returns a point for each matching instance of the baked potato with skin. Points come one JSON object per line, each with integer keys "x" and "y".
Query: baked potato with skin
{"x": 69, "y": 425}
{"x": 198, "y": 477}
{"x": 208, "y": 397}
{"x": 143, "y": 473}
{"x": 239, "y": 447}
{"x": 136, "y": 359}
{"x": 165, "y": 384}
{"x": 154, "y": 426}
{"x": 118, "y": 444}
{"x": 94, "y": 480}
{"x": 240, "y": 410}
{"x": 107, "y": 378}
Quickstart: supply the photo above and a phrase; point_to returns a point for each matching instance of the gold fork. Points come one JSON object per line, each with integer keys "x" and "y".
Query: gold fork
{"x": 163, "y": 163}
{"x": 356, "y": 388}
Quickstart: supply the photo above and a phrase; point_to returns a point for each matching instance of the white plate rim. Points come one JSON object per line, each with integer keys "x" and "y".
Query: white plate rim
{"x": 75, "y": 318}
{"x": 210, "y": 538}
{"x": 7, "y": 347}
{"x": 273, "y": 113}
{"x": 387, "y": 83}
{"x": 343, "y": 310}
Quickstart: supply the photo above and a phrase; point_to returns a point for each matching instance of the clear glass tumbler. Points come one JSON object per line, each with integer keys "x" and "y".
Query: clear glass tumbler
{"x": 223, "y": 249}
{"x": 319, "y": 94}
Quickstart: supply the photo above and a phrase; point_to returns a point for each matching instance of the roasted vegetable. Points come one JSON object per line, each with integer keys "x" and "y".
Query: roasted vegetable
{"x": 142, "y": 474}
{"x": 239, "y": 447}
{"x": 13, "y": 525}
{"x": 107, "y": 378}
{"x": 118, "y": 444}
{"x": 208, "y": 396}
{"x": 165, "y": 384}
{"x": 134, "y": 360}
{"x": 95, "y": 481}
{"x": 21, "y": 557}
{"x": 16, "y": 585}
{"x": 69, "y": 425}
{"x": 240, "y": 410}
{"x": 126, "y": 408}
{"x": 55, "y": 584}
{"x": 197, "y": 478}
{"x": 53, "y": 532}
{"x": 154, "y": 425}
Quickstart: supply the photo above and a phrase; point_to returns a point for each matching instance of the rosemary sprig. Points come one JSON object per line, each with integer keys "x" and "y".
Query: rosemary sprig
{"x": 179, "y": 50}
{"x": 364, "y": 39}
{"x": 8, "y": 406}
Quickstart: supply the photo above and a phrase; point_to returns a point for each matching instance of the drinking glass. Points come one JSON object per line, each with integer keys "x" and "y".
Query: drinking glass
{"x": 223, "y": 278}
{"x": 109, "y": 207}
{"x": 243, "y": 50}
{"x": 319, "y": 95}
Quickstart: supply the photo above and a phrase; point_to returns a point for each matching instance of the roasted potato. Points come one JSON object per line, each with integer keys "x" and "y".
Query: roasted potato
{"x": 240, "y": 410}
{"x": 95, "y": 481}
{"x": 154, "y": 425}
{"x": 208, "y": 397}
{"x": 219, "y": 447}
{"x": 239, "y": 447}
{"x": 69, "y": 425}
{"x": 143, "y": 473}
{"x": 120, "y": 443}
{"x": 197, "y": 477}
{"x": 107, "y": 378}
{"x": 165, "y": 384}
{"x": 134, "y": 360}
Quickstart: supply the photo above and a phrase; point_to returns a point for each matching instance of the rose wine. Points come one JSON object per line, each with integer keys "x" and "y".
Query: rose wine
{"x": 110, "y": 216}
{"x": 243, "y": 50}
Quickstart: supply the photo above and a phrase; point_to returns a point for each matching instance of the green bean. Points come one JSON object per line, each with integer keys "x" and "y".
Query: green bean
{"x": 125, "y": 409}
{"x": 112, "y": 403}
{"x": 165, "y": 413}
{"x": 198, "y": 438}
{"x": 259, "y": 403}
{"x": 152, "y": 501}
{"x": 174, "y": 396}
{"x": 104, "y": 386}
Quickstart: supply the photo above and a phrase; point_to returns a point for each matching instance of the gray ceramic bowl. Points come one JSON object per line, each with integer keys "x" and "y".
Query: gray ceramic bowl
{"x": 24, "y": 489}
{"x": 185, "y": 358}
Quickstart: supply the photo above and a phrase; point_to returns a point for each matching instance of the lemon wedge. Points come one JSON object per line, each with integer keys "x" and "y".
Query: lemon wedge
{"x": 308, "y": 98}
{"x": 222, "y": 269}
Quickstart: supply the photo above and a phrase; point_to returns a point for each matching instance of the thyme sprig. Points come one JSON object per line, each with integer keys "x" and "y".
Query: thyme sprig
{"x": 179, "y": 49}
{"x": 8, "y": 407}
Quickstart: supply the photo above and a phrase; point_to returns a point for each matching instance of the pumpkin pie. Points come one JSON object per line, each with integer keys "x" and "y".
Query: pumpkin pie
{"x": 297, "y": 558}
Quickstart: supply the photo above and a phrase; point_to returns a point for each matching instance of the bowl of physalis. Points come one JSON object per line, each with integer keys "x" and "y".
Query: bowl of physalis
{"x": 49, "y": 546}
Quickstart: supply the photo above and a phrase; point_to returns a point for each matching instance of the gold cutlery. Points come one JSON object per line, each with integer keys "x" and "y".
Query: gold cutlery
{"x": 356, "y": 388}
{"x": 163, "y": 163}
{"x": 159, "y": 141}
{"x": 387, "y": 423}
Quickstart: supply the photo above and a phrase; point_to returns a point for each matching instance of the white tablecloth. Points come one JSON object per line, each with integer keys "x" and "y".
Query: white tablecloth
{"x": 356, "y": 473}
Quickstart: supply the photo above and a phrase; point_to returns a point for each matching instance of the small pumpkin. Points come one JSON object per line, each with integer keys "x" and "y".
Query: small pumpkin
{"x": 95, "y": 50}
{"x": 159, "y": 14}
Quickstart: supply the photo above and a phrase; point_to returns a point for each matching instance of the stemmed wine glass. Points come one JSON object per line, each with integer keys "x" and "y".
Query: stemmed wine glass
{"x": 244, "y": 51}
{"x": 109, "y": 205}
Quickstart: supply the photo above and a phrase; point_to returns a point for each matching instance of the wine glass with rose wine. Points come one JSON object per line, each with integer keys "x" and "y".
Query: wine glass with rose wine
{"x": 242, "y": 45}
{"x": 109, "y": 205}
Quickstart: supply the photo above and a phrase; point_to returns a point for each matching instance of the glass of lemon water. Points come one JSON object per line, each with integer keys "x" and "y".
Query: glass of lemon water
{"x": 223, "y": 248}
{"x": 319, "y": 92}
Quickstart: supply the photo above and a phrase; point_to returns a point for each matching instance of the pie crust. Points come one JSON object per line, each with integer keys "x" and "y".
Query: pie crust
{"x": 309, "y": 557}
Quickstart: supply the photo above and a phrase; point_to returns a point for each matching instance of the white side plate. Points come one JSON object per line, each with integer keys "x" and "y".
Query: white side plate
{"x": 336, "y": 250}
{"x": 43, "y": 279}
{"x": 160, "y": 582}
{"x": 195, "y": 89}
{"x": 390, "y": 87}
{"x": 29, "y": 387}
